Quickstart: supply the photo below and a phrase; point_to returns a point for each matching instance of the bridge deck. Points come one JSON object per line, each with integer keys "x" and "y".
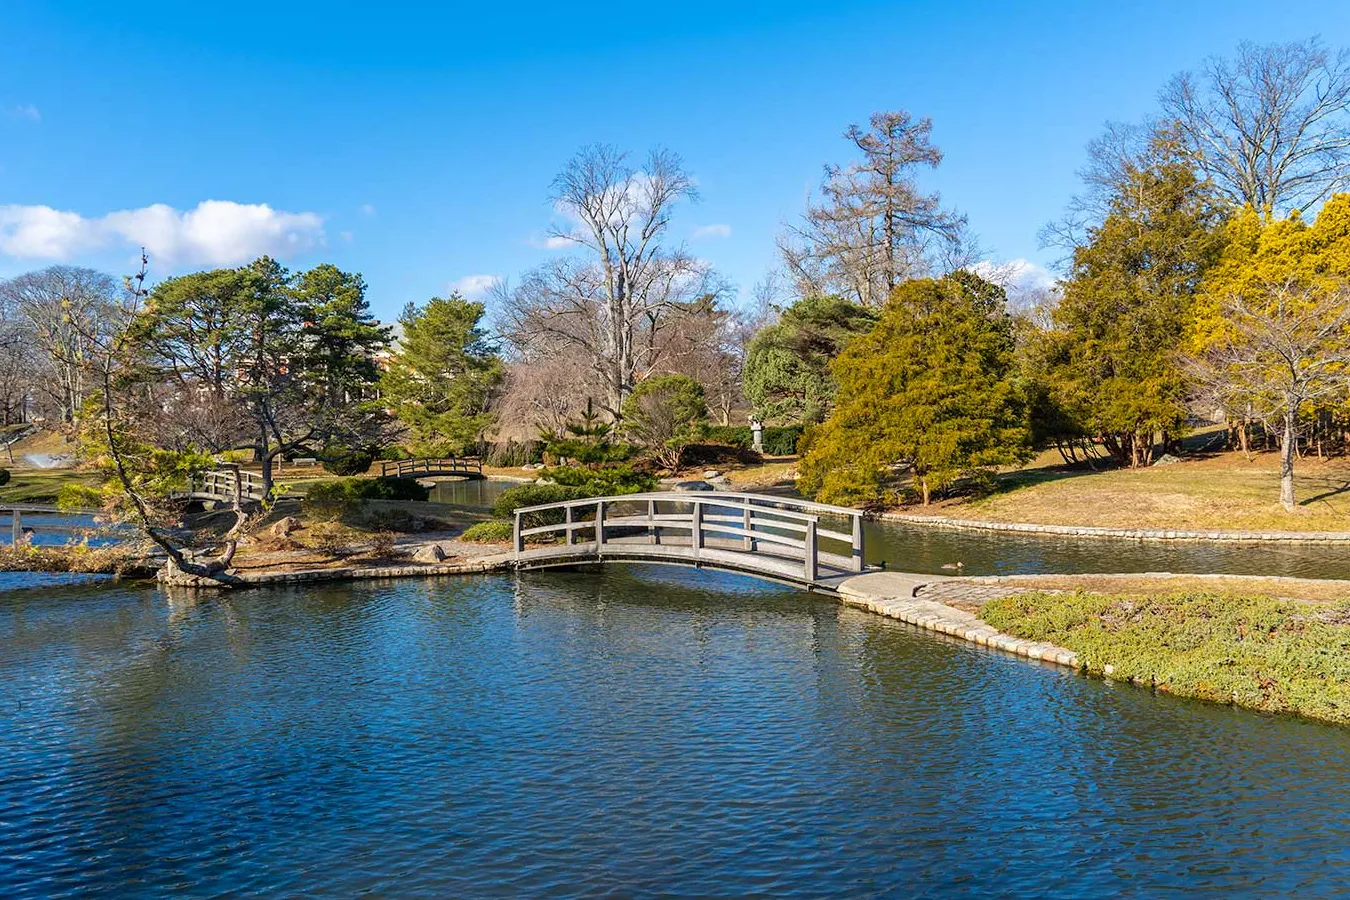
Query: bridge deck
{"x": 771, "y": 537}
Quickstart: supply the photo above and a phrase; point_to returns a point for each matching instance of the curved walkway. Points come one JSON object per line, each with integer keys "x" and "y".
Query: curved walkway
{"x": 1143, "y": 534}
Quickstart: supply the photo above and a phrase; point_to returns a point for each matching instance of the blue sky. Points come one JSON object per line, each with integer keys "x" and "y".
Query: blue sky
{"x": 415, "y": 144}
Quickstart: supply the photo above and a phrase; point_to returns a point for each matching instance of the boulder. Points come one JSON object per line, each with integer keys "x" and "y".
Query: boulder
{"x": 711, "y": 474}
{"x": 431, "y": 553}
{"x": 284, "y": 527}
{"x": 690, "y": 486}
{"x": 1166, "y": 459}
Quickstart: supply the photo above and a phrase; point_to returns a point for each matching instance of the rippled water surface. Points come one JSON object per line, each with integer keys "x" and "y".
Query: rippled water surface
{"x": 631, "y": 733}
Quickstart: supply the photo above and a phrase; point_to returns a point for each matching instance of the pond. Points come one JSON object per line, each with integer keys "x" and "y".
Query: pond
{"x": 914, "y": 548}
{"x": 633, "y": 732}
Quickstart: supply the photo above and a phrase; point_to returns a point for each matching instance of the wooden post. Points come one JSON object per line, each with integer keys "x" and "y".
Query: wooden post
{"x": 599, "y": 525}
{"x": 811, "y": 552}
{"x": 17, "y": 534}
{"x": 858, "y": 560}
{"x": 568, "y": 521}
{"x": 653, "y": 535}
{"x": 696, "y": 531}
{"x": 747, "y": 517}
{"x": 518, "y": 539}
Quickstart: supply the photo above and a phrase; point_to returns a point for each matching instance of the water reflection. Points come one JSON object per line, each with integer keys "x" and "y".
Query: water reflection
{"x": 636, "y": 731}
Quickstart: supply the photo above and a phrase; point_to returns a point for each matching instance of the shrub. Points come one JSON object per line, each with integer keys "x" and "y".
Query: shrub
{"x": 346, "y": 461}
{"x": 494, "y": 531}
{"x": 665, "y": 414}
{"x": 393, "y": 452}
{"x": 384, "y": 545}
{"x": 602, "y": 482}
{"x": 782, "y": 440}
{"x": 534, "y": 495}
{"x": 78, "y": 496}
{"x": 329, "y": 538}
{"x": 4, "y": 476}
{"x": 731, "y": 435}
{"x": 339, "y": 499}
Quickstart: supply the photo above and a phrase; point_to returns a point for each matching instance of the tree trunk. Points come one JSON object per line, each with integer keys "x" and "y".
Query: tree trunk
{"x": 923, "y": 486}
{"x": 1287, "y": 446}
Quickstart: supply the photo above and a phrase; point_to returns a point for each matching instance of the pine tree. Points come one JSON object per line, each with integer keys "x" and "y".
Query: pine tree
{"x": 441, "y": 380}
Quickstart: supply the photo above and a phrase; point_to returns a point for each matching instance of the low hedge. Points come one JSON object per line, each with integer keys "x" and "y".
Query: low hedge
{"x": 494, "y": 531}
{"x": 339, "y": 499}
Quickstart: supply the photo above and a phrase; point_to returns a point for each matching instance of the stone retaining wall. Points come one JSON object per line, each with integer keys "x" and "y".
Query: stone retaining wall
{"x": 1143, "y": 534}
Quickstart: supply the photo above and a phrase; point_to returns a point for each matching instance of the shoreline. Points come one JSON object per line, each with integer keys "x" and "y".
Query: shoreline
{"x": 1180, "y": 535}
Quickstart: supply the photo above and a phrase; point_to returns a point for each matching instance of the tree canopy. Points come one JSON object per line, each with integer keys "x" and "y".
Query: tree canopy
{"x": 442, "y": 376}
{"x": 930, "y": 390}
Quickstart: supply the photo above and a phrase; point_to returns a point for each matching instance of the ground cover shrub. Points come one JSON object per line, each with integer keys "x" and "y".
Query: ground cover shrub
{"x": 4, "y": 477}
{"x": 493, "y": 531}
{"x": 1256, "y": 652}
{"x": 602, "y": 482}
{"x": 384, "y": 545}
{"x": 75, "y": 557}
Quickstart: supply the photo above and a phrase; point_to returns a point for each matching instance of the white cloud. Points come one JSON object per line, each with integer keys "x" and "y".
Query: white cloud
{"x": 552, "y": 242}
{"x": 712, "y": 231}
{"x": 1020, "y": 275}
{"x": 215, "y": 232}
{"x": 26, "y": 111}
{"x": 346, "y": 236}
{"x": 366, "y": 209}
{"x": 474, "y": 287}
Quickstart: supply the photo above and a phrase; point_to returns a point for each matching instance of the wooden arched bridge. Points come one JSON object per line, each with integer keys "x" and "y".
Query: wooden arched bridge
{"x": 807, "y": 544}
{"x": 463, "y": 466}
{"x": 224, "y": 486}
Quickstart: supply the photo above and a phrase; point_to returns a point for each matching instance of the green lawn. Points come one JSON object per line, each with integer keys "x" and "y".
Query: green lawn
{"x": 42, "y": 485}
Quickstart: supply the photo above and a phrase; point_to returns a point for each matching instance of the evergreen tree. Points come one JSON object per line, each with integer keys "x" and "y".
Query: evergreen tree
{"x": 787, "y": 368}
{"x": 930, "y": 390}
{"x": 1111, "y": 357}
{"x": 343, "y": 337}
{"x": 443, "y": 376}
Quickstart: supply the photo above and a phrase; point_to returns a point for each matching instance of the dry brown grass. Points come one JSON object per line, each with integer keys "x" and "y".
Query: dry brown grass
{"x": 1225, "y": 491}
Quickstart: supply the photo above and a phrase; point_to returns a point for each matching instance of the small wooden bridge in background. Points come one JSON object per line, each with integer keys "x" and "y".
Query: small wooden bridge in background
{"x": 776, "y": 538}
{"x": 464, "y": 466}
{"x": 224, "y": 486}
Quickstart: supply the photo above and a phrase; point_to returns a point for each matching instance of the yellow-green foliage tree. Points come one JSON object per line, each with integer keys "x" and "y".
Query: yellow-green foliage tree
{"x": 1270, "y": 336}
{"x": 930, "y": 390}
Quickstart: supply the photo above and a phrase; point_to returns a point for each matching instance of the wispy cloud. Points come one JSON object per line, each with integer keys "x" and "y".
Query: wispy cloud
{"x": 552, "y": 242}
{"x": 474, "y": 287}
{"x": 26, "y": 111}
{"x": 366, "y": 209}
{"x": 215, "y": 232}
{"x": 711, "y": 231}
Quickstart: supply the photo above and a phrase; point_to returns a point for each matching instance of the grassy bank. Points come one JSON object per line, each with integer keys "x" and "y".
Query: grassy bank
{"x": 42, "y": 486}
{"x": 1263, "y": 653}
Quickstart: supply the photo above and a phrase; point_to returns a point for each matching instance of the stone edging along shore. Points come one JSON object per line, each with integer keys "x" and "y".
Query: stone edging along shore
{"x": 1146, "y": 534}
{"x": 899, "y": 596}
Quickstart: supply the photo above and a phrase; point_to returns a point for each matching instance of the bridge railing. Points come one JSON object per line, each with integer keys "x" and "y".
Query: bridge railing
{"x": 452, "y": 465}
{"x": 228, "y": 484}
{"x": 689, "y": 524}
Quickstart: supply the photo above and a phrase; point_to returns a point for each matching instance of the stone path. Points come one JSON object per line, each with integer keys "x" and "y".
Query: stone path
{"x": 911, "y": 599}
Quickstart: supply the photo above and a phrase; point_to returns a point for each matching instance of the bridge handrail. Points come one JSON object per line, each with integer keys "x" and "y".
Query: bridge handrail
{"x": 757, "y": 512}
{"x": 431, "y": 465}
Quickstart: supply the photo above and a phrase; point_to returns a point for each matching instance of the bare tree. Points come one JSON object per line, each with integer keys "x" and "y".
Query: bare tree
{"x": 68, "y": 310}
{"x": 606, "y": 303}
{"x": 1269, "y": 127}
{"x": 874, "y": 227}
{"x": 1285, "y": 347}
